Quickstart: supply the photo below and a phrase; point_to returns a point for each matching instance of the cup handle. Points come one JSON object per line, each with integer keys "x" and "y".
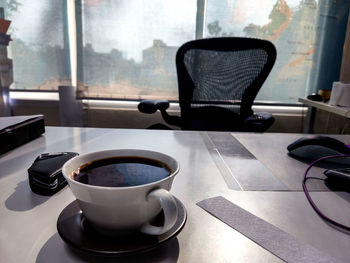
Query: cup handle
{"x": 168, "y": 204}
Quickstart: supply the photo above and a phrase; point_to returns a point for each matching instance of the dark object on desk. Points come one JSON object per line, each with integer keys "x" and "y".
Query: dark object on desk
{"x": 341, "y": 175}
{"x": 218, "y": 80}
{"x": 45, "y": 174}
{"x": 333, "y": 222}
{"x": 335, "y": 184}
{"x": 315, "y": 97}
{"x": 76, "y": 231}
{"x": 18, "y": 130}
{"x": 316, "y": 146}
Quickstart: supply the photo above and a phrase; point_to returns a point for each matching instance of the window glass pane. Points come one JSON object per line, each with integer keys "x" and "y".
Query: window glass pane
{"x": 40, "y": 56}
{"x": 129, "y": 47}
{"x": 303, "y": 31}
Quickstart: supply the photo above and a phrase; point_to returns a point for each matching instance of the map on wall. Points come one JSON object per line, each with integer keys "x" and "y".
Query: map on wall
{"x": 296, "y": 27}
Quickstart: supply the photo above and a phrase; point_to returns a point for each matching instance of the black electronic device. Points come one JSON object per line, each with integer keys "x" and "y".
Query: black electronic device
{"x": 315, "y": 97}
{"x": 18, "y": 130}
{"x": 317, "y": 146}
{"x": 45, "y": 174}
{"x": 341, "y": 175}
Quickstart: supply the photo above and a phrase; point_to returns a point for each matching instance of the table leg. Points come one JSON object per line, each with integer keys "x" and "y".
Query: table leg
{"x": 310, "y": 120}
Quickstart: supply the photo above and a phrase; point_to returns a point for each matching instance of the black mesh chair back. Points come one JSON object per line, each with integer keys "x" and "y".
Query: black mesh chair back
{"x": 219, "y": 79}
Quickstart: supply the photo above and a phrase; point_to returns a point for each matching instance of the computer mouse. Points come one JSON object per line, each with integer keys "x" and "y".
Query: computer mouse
{"x": 317, "y": 146}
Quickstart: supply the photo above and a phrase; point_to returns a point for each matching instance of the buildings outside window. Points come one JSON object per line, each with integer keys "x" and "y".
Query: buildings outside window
{"x": 128, "y": 47}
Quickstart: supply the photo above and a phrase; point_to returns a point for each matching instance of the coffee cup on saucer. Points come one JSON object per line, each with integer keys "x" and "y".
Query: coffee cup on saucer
{"x": 122, "y": 191}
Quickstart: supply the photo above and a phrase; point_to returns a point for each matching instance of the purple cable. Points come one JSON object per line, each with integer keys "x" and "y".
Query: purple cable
{"x": 317, "y": 210}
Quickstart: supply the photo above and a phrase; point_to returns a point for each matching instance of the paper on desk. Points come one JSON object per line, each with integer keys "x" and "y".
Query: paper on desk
{"x": 273, "y": 239}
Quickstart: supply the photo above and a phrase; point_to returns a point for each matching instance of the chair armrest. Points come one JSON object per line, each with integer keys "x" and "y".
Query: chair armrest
{"x": 258, "y": 122}
{"x": 151, "y": 106}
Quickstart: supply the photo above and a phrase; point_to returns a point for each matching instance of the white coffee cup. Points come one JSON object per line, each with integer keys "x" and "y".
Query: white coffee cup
{"x": 119, "y": 210}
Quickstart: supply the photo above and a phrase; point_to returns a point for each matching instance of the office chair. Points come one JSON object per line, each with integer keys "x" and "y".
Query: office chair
{"x": 218, "y": 80}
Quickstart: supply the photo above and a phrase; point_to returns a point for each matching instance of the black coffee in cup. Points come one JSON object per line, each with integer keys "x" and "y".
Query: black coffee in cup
{"x": 121, "y": 172}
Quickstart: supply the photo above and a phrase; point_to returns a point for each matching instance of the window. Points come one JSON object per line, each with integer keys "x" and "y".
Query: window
{"x": 39, "y": 49}
{"x": 129, "y": 47}
{"x": 126, "y": 49}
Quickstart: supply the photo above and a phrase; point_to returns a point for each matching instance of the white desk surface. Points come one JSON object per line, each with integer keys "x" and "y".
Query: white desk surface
{"x": 28, "y": 221}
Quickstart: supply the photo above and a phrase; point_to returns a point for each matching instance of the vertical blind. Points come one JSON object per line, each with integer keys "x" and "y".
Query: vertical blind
{"x": 129, "y": 47}
{"x": 39, "y": 47}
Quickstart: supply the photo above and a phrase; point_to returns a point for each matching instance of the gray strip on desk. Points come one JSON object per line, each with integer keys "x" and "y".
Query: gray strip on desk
{"x": 238, "y": 166}
{"x": 273, "y": 239}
